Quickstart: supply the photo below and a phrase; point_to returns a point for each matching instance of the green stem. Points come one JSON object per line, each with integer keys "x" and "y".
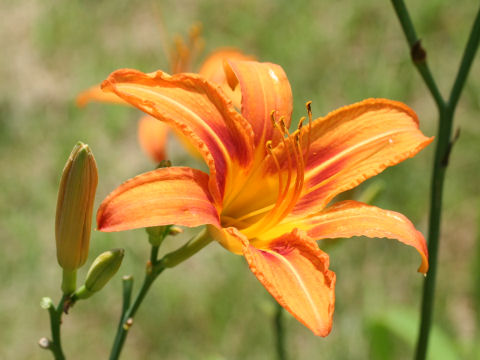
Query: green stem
{"x": 154, "y": 254}
{"x": 442, "y": 152}
{"x": 279, "y": 333}
{"x": 127, "y": 318}
{"x": 55, "y": 346}
{"x": 69, "y": 281}
{"x": 154, "y": 268}
{"x": 476, "y": 278}
{"x": 466, "y": 64}
{"x": 193, "y": 246}
{"x": 418, "y": 54}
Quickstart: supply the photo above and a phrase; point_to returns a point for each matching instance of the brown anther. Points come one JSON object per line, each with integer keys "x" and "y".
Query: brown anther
{"x": 300, "y": 122}
{"x": 282, "y": 123}
{"x": 296, "y": 135}
{"x": 308, "y": 105}
{"x": 268, "y": 145}
{"x": 272, "y": 117}
{"x": 309, "y": 111}
{"x": 195, "y": 30}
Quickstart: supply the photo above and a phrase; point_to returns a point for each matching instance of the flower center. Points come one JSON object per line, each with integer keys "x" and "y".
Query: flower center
{"x": 289, "y": 160}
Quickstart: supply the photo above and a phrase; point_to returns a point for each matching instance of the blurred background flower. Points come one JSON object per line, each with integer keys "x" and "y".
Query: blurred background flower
{"x": 334, "y": 53}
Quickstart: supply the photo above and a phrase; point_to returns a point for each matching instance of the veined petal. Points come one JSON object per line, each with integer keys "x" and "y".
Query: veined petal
{"x": 295, "y": 272}
{"x": 265, "y": 88}
{"x": 352, "y": 144}
{"x": 212, "y": 70}
{"x": 95, "y": 93}
{"x": 175, "y": 195}
{"x": 152, "y": 135}
{"x": 195, "y": 108}
{"x": 351, "y": 218}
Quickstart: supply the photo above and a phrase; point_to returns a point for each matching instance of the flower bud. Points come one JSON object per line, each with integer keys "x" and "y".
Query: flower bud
{"x": 102, "y": 270}
{"x": 175, "y": 230}
{"x": 76, "y": 195}
{"x": 156, "y": 234}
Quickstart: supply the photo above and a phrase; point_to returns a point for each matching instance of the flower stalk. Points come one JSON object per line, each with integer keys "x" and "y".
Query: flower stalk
{"x": 55, "y": 313}
{"x": 445, "y": 142}
{"x": 154, "y": 268}
{"x": 280, "y": 332}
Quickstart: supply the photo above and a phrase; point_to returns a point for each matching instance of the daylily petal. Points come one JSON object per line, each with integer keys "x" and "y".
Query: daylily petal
{"x": 295, "y": 272}
{"x": 352, "y": 144}
{"x": 195, "y": 108}
{"x": 95, "y": 93}
{"x": 152, "y": 135}
{"x": 265, "y": 88}
{"x": 175, "y": 195}
{"x": 212, "y": 70}
{"x": 352, "y": 218}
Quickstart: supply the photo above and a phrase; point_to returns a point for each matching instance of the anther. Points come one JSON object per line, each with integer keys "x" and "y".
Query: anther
{"x": 195, "y": 31}
{"x": 268, "y": 145}
{"x": 282, "y": 123}
{"x": 272, "y": 117}
{"x": 300, "y": 123}
{"x": 308, "y": 105}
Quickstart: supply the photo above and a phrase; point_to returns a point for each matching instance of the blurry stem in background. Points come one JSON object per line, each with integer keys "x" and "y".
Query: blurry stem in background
{"x": 445, "y": 142}
{"x": 154, "y": 268}
{"x": 279, "y": 332}
{"x": 476, "y": 279}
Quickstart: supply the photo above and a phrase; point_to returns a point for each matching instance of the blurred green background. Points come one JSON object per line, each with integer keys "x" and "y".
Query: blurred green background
{"x": 212, "y": 307}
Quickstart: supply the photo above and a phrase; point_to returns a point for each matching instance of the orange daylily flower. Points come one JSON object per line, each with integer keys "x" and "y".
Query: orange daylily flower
{"x": 267, "y": 190}
{"x": 153, "y": 134}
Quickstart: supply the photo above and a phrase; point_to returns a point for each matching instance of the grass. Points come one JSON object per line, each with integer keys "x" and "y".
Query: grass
{"x": 211, "y": 307}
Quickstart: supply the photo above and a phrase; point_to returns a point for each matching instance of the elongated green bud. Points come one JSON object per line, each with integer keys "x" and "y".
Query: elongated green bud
{"x": 76, "y": 195}
{"x": 102, "y": 270}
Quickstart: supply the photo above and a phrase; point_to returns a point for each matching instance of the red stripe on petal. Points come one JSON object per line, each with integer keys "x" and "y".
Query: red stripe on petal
{"x": 195, "y": 108}
{"x": 353, "y": 144}
{"x": 295, "y": 272}
{"x": 265, "y": 88}
{"x": 351, "y": 218}
{"x": 164, "y": 196}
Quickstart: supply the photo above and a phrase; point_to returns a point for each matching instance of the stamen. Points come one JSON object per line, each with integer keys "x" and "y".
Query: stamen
{"x": 289, "y": 159}
{"x": 284, "y": 127}
{"x": 299, "y": 179}
{"x": 272, "y": 118}
{"x": 178, "y": 54}
{"x": 195, "y": 44}
{"x": 308, "y": 105}
{"x": 300, "y": 122}
{"x": 309, "y": 111}
{"x": 288, "y": 193}
{"x": 277, "y": 165}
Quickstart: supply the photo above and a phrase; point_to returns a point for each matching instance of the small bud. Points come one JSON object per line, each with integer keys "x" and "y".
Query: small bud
{"x": 76, "y": 195}
{"x": 44, "y": 343}
{"x": 156, "y": 234}
{"x": 128, "y": 324}
{"x": 46, "y": 303}
{"x": 102, "y": 270}
{"x": 175, "y": 230}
